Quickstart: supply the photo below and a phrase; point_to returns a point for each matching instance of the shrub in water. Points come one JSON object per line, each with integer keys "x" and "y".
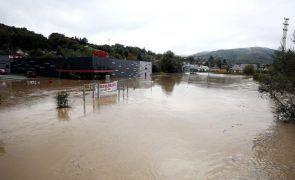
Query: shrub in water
{"x": 62, "y": 99}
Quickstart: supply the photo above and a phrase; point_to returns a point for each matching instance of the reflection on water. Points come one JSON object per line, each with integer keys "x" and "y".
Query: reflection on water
{"x": 107, "y": 100}
{"x": 274, "y": 152}
{"x": 210, "y": 80}
{"x": 2, "y": 148}
{"x": 63, "y": 114}
{"x": 19, "y": 92}
{"x": 167, "y": 82}
{"x": 196, "y": 126}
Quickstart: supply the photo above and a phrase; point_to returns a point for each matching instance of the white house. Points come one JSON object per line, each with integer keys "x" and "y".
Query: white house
{"x": 240, "y": 67}
{"x": 194, "y": 67}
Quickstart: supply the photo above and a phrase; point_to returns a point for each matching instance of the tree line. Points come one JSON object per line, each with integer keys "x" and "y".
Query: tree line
{"x": 279, "y": 83}
{"x": 59, "y": 45}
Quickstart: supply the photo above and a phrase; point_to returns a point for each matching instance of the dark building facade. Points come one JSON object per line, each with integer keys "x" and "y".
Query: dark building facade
{"x": 5, "y": 63}
{"x": 82, "y": 67}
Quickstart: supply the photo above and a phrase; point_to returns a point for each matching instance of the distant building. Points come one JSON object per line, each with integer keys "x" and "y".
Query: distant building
{"x": 187, "y": 67}
{"x": 264, "y": 67}
{"x": 20, "y": 54}
{"x": 240, "y": 67}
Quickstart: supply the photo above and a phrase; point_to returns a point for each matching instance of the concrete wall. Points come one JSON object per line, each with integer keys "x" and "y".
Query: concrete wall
{"x": 145, "y": 69}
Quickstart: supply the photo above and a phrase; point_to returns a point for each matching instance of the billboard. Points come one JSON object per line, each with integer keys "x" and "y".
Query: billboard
{"x": 106, "y": 89}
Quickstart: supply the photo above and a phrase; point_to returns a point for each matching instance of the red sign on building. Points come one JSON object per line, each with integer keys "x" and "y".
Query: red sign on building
{"x": 101, "y": 54}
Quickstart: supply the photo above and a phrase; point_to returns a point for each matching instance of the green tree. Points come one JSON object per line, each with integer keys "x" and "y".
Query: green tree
{"x": 279, "y": 84}
{"x": 36, "y": 53}
{"x": 12, "y": 38}
{"x": 139, "y": 57}
{"x": 218, "y": 63}
{"x": 224, "y": 62}
{"x": 156, "y": 67}
{"x": 249, "y": 69}
{"x": 211, "y": 62}
{"x": 169, "y": 63}
{"x": 83, "y": 41}
{"x": 190, "y": 59}
{"x": 126, "y": 54}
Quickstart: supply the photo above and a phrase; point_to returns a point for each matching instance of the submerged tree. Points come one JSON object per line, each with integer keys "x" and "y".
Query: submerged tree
{"x": 279, "y": 84}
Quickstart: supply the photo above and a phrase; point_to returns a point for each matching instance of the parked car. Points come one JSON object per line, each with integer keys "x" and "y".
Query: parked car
{"x": 31, "y": 74}
{"x": 3, "y": 71}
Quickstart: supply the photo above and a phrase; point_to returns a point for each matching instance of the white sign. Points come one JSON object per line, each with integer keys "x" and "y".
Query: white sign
{"x": 107, "y": 89}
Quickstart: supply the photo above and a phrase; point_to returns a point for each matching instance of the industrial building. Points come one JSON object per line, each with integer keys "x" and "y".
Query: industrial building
{"x": 83, "y": 67}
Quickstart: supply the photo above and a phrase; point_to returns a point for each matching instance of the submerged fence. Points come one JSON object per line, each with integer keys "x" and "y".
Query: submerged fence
{"x": 106, "y": 93}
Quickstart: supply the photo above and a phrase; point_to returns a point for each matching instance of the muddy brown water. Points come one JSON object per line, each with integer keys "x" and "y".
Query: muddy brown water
{"x": 176, "y": 127}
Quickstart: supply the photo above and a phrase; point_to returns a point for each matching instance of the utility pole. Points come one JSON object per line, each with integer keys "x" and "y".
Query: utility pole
{"x": 285, "y": 29}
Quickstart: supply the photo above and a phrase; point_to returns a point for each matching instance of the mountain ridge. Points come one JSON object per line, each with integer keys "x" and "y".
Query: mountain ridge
{"x": 260, "y": 55}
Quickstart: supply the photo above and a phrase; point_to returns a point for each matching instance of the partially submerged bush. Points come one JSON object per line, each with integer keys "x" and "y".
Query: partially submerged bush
{"x": 286, "y": 111}
{"x": 62, "y": 99}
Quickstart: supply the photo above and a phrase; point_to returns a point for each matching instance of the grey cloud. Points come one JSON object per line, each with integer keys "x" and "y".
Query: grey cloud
{"x": 183, "y": 27}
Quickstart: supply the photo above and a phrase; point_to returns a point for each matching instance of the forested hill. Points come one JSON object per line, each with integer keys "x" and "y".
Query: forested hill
{"x": 13, "y": 39}
{"x": 241, "y": 55}
{"x": 59, "y": 45}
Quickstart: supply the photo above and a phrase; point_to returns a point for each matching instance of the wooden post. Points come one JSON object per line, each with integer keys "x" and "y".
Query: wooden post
{"x": 151, "y": 86}
{"x": 93, "y": 89}
{"x": 127, "y": 87}
{"x": 98, "y": 90}
{"x": 59, "y": 75}
{"x": 84, "y": 100}
{"x": 123, "y": 89}
{"x": 118, "y": 88}
{"x": 93, "y": 99}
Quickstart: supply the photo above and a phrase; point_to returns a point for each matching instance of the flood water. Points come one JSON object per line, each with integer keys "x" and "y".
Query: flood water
{"x": 174, "y": 127}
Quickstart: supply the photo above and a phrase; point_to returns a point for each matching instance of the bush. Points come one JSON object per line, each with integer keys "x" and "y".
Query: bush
{"x": 286, "y": 111}
{"x": 62, "y": 99}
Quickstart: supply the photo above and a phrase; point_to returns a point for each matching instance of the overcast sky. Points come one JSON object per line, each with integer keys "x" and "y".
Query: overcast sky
{"x": 185, "y": 27}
